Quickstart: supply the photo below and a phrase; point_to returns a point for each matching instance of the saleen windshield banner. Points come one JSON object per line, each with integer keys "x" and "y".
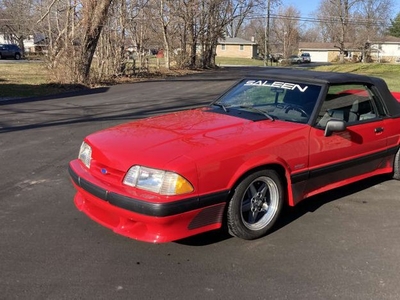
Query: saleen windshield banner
{"x": 276, "y": 84}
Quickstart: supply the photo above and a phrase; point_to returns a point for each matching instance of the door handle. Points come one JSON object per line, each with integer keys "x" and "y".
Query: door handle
{"x": 379, "y": 129}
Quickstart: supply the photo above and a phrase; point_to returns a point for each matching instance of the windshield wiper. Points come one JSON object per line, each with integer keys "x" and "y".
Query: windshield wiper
{"x": 254, "y": 109}
{"x": 221, "y": 105}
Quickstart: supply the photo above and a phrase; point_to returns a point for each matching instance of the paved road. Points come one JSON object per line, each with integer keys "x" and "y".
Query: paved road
{"x": 340, "y": 245}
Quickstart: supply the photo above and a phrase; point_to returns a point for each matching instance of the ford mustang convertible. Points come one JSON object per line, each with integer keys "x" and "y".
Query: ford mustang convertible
{"x": 266, "y": 142}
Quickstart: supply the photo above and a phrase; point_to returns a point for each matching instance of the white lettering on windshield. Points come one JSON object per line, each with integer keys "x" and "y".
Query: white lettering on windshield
{"x": 277, "y": 84}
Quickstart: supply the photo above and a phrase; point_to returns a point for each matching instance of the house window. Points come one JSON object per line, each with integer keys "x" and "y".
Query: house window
{"x": 241, "y": 47}
{"x": 223, "y": 47}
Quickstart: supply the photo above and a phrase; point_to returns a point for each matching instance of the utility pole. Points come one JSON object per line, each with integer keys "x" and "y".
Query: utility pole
{"x": 266, "y": 37}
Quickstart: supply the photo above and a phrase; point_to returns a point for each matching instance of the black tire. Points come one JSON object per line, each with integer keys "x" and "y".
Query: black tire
{"x": 396, "y": 166}
{"x": 17, "y": 56}
{"x": 255, "y": 205}
{"x": 0, "y": 56}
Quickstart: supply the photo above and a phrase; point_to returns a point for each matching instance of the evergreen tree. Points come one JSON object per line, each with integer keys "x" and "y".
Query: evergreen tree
{"x": 394, "y": 29}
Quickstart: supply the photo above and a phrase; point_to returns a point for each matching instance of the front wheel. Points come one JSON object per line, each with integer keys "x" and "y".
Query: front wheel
{"x": 17, "y": 56}
{"x": 255, "y": 205}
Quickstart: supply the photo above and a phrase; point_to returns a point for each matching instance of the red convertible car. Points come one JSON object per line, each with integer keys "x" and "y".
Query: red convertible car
{"x": 267, "y": 141}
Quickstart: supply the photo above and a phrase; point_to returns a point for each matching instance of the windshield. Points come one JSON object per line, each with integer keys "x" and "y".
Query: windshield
{"x": 288, "y": 101}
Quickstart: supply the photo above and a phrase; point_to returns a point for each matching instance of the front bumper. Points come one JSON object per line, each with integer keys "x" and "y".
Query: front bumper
{"x": 144, "y": 220}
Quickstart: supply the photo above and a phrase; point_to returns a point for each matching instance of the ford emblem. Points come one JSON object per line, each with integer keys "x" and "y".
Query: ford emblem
{"x": 104, "y": 171}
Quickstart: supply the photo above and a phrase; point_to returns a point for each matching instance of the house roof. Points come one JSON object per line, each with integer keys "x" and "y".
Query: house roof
{"x": 323, "y": 46}
{"x": 387, "y": 40}
{"x": 348, "y": 46}
{"x": 235, "y": 41}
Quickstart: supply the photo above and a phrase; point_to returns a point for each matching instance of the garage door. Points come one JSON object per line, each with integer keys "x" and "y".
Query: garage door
{"x": 319, "y": 56}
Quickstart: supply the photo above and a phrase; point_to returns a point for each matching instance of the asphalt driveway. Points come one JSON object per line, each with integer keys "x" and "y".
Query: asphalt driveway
{"x": 343, "y": 244}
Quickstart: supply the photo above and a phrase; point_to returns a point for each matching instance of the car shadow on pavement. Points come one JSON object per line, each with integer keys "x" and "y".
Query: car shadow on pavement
{"x": 313, "y": 203}
{"x": 207, "y": 238}
{"x": 290, "y": 214}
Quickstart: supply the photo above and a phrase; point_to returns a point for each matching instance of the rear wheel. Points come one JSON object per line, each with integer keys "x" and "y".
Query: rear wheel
{"x": 255, "y": 205}
{"x": 396, "y": 166}
{"x": 17, "y": 56}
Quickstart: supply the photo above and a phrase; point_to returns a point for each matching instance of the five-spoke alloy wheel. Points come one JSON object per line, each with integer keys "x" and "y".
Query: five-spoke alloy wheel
{"x": 255, "y": 205}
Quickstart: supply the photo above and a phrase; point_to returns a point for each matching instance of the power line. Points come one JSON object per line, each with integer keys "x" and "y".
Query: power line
{"x": 330, "y": 20}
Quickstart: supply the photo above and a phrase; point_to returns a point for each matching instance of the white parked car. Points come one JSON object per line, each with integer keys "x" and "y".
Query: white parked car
{"x": 293, "y": 59}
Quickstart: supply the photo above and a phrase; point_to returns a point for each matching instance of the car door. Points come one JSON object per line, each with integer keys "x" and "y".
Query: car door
{"x": 358, "y": 150}
{"x": 7, "y": 51}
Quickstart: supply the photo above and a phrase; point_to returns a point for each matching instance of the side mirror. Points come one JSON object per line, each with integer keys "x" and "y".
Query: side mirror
{"x": 334, "y": 126}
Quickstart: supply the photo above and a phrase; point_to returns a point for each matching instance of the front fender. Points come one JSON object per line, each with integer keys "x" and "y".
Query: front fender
{"x": 269, "y": 161}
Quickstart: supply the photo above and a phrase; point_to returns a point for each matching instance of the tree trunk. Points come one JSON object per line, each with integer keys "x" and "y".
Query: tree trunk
{"x": 95, "y": 16}
{"x": 164, "y": 19}
{"x": 166, "y": 47}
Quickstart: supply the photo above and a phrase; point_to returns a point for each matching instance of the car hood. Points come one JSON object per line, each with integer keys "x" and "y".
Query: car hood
{"x": 156, "y": 141}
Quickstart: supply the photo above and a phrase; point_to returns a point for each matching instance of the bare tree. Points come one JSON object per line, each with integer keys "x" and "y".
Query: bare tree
{"x": 59, "y": 23}
{"x": 94, "y": 17}
{"x": 165, "y": 18}
{"x": 261, "y": 26}
{"x": 241, "y": 10}
{"x": 18, "y": 22}
{"x": 371, "y": 21}
{"x": 190, "y": 30}
{"x": 353, "y": 21}
{"x": 110, "y": 50}
{"x": 311, "y": 34}
{"x": 88, "y": 39}
{"x": 73, "y": 31}
{"x": 216, "y": 16}
{"x": 336, "y": 16}
{"x": 286, "y": 29}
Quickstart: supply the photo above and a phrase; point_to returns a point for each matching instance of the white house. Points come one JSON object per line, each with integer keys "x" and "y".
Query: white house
{"x": 385, "y": 50}
{"x": 29, "y": 43}
{"x": 321, "y": 52}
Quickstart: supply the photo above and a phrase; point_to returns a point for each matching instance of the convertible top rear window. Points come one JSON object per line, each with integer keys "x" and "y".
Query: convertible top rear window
{"x": 282, "y": 100}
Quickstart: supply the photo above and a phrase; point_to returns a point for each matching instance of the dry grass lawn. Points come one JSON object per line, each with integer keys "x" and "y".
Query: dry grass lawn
{"x": 27, "y": 79}
{"x": 389, "y": 72}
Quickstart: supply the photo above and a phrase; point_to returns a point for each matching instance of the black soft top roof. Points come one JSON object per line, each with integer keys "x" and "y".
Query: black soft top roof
{"x": 316, "y": 76}
{"x": 331, "y": 78}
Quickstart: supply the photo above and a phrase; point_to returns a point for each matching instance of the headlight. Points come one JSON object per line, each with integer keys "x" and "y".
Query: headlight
{"x": 85, "y": 154}
{"x": 157, "y": 181}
